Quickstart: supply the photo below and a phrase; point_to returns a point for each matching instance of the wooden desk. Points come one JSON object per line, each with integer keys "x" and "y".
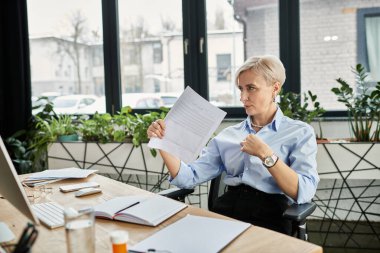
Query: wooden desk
{"x": 255, "y": 239}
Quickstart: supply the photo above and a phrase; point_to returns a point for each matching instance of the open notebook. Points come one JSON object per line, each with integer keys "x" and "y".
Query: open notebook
{"x": 145, "y": 210}
{"x": 193, "y": 234}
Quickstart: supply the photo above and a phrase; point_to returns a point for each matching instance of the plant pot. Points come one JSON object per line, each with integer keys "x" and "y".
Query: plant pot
{"x": 324, "y": 140}
{"x": 350, "y": 179}
{"x": 121, "y": 161}
{"x": 66, "y": 138}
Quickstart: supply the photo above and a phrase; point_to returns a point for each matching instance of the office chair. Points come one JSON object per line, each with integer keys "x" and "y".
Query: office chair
{"x": 296, "y": 213}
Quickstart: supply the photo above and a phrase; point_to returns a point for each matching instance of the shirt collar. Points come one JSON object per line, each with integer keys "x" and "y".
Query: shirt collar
{"x": 275, "y": 124}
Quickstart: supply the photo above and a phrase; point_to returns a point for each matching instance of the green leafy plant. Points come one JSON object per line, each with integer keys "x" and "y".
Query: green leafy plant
{"x": 25, "y": 153}
{"x": 48, "y": 130}
{"x": 21, "y": 155}
{"x": 99, "y": 128}
{"x": 29, "y": 147}
{"x": 141, "y": 125}
{"x": 362, "y": 105}
{"x": 121, "y": 127}
{"x": 375, "y": 101}
{"x": 290, "y": 104}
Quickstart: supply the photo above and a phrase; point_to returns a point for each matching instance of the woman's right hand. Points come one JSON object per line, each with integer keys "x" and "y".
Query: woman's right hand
{"x": 156, "y": 129}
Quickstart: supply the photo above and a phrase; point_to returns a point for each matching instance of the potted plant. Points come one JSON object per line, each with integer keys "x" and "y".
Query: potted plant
{"x": 122, "y": 127}
{"x": 345, "y": 165}
{"x": 115, "y": 145}
{"x": 26, "y": 154}
{"x": 290, "y": 104}
{"x": 60, "y": 128}
{"x": 363, "y": 105}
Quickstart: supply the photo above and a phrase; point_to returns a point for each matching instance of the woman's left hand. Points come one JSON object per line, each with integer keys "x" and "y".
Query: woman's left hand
{"x": 253, "y": 145}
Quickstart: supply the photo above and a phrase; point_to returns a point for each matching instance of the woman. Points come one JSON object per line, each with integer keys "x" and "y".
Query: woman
{"x": 269, "y": 159}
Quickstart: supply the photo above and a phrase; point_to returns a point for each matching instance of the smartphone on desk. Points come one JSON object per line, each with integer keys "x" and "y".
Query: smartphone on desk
{"x": 75, "y": 187}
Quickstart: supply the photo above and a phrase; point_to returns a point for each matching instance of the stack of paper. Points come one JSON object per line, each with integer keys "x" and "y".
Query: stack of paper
{"x": 193, "y": 234}
{"x": 50, "y": 176}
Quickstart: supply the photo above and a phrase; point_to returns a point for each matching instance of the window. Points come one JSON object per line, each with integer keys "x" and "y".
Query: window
{"x": 328, "y": 46}
{"x": 145, "y": 33}
{"x": 335, "y": 35}
{"x": 66, "y": 40}
{"x": 223, "y": 67}
{"x": 131, "y": 55}
{"x": 97, "y": 55}
{"x": 368, "y": 50}
{"x": 131, "y": 84}
{"x": 157, "y": 53}
{"x": 229, "y": 24}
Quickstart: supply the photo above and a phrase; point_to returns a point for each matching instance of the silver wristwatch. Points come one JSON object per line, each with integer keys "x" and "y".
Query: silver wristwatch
{"x": 270, "y": 161}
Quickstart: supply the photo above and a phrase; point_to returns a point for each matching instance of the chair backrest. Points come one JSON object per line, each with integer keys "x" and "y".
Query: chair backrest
{"x": 217, "y": 188}
{"x": 295, "y": 213}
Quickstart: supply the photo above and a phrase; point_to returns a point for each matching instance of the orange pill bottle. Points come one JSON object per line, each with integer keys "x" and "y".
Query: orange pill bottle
{"x": 119, "y": 239}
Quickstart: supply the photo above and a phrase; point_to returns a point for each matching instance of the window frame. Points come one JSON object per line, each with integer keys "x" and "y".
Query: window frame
{"x": 195, "y": 61}
{"x": 361, "y": 15}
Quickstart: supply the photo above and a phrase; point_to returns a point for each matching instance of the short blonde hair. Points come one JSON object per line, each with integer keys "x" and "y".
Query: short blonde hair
{"x": 269, "y": 66}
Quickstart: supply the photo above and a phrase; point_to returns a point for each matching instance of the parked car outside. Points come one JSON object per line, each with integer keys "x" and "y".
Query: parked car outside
{"x": 41, "y": 100}
{"x": 134, "y": 100}
{"x": 169, "y": 98}
{"x": 71, "y": 104}
{"x": 98, "y": 106}
{"x": 142, "y": 100}
{"x": 51, "y": 95}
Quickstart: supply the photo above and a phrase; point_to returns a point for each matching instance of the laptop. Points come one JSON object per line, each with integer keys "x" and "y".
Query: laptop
{"x": 50, "y": 214}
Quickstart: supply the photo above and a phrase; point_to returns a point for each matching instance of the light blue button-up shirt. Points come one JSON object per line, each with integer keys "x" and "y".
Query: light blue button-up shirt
{"x": 293, "y": 141}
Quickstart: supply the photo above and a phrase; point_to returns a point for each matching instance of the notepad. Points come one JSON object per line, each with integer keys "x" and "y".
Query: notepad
{"x": 193, "y": 234}
{"x": 145, "y": 210}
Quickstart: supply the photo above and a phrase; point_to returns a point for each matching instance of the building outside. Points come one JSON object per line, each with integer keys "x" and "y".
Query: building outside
{"x": 331, "y": 33}
{"x": 149, "y": 65}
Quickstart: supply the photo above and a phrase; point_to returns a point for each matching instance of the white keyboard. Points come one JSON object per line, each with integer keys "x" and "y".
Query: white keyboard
{"x": 50, "y": 214}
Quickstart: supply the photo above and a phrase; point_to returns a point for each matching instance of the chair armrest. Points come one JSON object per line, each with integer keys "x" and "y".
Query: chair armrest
{"x": 176, "y": 193}
{"x": 298, "y": 213}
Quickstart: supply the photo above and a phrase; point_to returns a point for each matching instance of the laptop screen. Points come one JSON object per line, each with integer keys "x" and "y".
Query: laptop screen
{"x": 10, "y": 185}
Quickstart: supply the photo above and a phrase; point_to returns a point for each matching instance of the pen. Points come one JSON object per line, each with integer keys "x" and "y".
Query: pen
{"x": 127, "y": 207}
{"x": 149, "y": 250}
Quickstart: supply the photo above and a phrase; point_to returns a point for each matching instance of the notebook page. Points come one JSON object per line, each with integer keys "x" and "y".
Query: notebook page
{"x": 153, "y": 210}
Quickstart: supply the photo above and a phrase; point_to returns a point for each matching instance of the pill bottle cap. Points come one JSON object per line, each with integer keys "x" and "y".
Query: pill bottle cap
{"x": 119, "y": 237}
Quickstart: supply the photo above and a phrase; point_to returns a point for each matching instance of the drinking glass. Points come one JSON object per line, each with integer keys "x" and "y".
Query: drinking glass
{"x": 80, "y": 230}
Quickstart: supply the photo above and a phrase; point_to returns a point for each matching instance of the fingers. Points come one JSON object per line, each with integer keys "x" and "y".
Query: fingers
{"x": 247, "y": 144}
{"x": 161, "y": 123}
{"x": 243, "y": 145}
{"x": 156, "y": 129}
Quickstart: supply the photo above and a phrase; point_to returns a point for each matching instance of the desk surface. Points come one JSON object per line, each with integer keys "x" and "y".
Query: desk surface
{"x": 255, "y": 239}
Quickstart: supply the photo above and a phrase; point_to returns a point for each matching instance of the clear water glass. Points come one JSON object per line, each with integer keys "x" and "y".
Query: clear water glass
{"x": 80, "y": 231}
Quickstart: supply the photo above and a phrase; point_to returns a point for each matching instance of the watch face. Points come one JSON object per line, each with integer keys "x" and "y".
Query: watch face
{"x": 269, "y": 161}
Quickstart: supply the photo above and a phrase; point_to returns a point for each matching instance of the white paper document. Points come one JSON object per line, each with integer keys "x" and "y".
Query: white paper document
{"x": 189, "y": 125}
{"x": 193, "y": 234}
{"x": 62, "y": 174}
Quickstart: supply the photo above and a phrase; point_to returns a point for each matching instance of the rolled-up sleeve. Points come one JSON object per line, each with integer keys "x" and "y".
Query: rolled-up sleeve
{"x": 303, "y": 162}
